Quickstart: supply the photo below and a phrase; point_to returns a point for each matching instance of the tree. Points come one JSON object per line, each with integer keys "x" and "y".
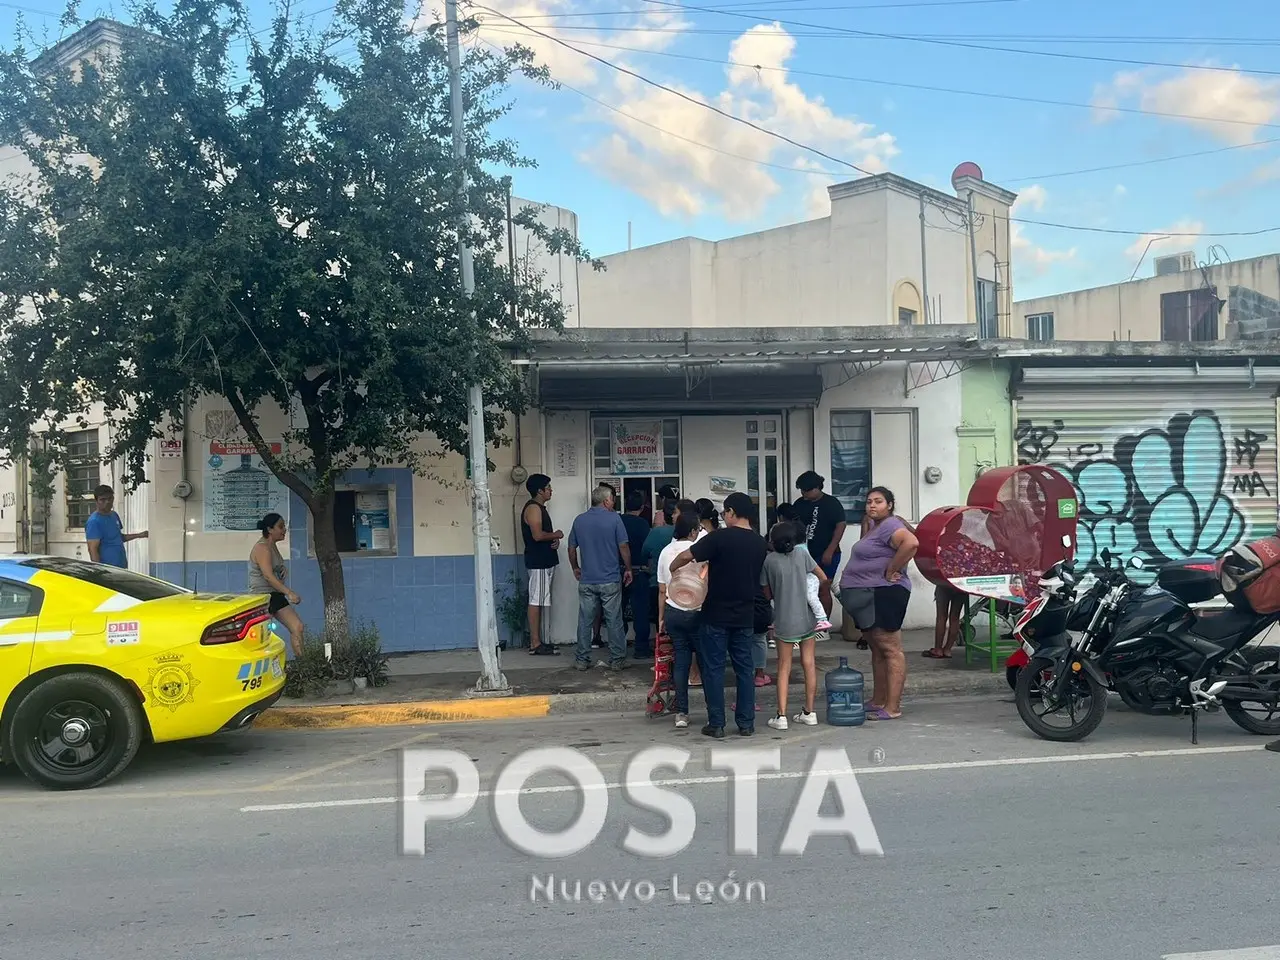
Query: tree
{"x": 280, "y": 231}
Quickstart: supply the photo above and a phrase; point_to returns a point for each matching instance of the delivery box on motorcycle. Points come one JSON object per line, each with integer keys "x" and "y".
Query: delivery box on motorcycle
{"x": 1250, "y": 575}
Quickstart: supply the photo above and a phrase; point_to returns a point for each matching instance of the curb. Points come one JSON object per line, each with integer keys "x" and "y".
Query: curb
{"x": 407, "y": 713}
{"x": 467, "y": 710}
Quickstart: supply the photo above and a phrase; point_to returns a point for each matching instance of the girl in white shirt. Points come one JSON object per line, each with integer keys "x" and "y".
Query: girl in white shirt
{"x": 683, "y": 624}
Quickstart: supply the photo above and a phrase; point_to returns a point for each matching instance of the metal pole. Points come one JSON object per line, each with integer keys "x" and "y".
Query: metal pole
{"x": 492, "y": 681}
{"x": 924, "y": 262}
{"x": 973, "y": 255}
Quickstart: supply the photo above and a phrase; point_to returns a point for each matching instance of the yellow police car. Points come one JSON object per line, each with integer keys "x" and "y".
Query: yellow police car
{"x": 95, "y": 660}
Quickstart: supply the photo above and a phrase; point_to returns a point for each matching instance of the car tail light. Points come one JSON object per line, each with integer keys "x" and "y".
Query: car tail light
{"x": 234, "y": 629}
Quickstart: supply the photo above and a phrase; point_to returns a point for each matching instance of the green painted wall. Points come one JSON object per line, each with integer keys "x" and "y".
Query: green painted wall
{"x": 985, "y": 431}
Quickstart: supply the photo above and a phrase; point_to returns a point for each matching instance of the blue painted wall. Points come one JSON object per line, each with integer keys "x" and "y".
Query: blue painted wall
{"x": 417, "y": 603}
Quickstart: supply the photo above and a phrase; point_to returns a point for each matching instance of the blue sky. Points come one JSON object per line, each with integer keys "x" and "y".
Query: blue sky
{"x": 672, "y": 177}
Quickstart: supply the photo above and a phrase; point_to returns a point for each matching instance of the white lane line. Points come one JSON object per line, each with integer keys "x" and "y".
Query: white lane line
{"x": 794, "y": 775}
{"x": 1248, "y": 953}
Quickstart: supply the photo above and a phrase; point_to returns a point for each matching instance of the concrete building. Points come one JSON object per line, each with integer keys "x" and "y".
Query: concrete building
{"x": 892, "y": 252}
{"x": 1183, "y": 301}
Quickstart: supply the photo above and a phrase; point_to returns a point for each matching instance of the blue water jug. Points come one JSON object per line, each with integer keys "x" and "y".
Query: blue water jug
{"x": 844, "y": 696}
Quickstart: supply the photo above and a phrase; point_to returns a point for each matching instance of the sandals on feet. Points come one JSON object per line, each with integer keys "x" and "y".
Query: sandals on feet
{"x": 880, "y": 713}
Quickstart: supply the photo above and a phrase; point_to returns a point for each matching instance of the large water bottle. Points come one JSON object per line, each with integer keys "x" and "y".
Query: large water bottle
{"x": 844, "y": 696}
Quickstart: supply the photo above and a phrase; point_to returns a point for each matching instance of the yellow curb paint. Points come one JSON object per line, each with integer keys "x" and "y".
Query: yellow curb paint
{"x": 398, "y": 714}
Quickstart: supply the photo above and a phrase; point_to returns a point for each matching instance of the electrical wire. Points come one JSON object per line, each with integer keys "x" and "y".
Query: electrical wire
{"x": 970, "y": 46}
{"x": 927, "y": 88}
{"x": 676, "y": 93}
{"x": 802, "y": 146}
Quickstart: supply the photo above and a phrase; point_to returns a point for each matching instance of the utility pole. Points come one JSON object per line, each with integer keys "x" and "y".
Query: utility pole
{"x": 492, "y": 681}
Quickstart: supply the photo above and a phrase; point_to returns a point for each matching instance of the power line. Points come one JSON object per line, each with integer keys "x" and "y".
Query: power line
{"x": 875, "y": 81}
{"x": 831, "y": 173}
{"x": 683, "y": 96}
{"x": 1143, "y": 163}
{"x": 826, "y": 34}
{"x": 773, "y": 3}
{"x": 970, "y": 46}
{"x": 802, "y": 146}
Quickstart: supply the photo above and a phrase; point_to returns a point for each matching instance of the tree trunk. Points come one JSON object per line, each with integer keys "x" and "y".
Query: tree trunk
{"x": 333, "y": 588}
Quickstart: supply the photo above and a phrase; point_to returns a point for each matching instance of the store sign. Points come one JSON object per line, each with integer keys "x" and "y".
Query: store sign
{"x": 239, "y": 489}
{"x": 637, "y": 447}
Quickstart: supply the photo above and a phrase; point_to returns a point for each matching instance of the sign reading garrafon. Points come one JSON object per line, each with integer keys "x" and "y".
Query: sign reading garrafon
{"x": 637, "y": 447}
{"x": 239, "y": 490}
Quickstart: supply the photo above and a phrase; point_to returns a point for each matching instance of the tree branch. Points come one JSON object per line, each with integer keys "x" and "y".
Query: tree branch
{"x": 287, "y": 477}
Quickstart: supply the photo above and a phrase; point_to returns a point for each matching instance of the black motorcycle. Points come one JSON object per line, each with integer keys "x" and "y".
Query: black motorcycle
{"x": 1161, "y": 656}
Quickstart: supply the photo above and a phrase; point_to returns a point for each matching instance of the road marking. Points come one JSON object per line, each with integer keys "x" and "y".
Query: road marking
{"x": 792, "y": 775}
{"x": 1248, "y": 953}
{"x": 338, "y": 764}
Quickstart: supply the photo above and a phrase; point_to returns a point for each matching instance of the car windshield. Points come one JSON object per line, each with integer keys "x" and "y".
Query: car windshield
{"x": 133, "y": 585}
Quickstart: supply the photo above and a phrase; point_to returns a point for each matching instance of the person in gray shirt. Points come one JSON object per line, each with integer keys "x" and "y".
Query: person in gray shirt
{"x": 783, "y": 577}
{"x": 603, "y": 569}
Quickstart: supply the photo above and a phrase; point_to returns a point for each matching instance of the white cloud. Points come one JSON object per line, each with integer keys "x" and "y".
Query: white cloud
{"x": 763, "y": 94}
{"x": 1163, "y": 242}
{"x": 680, "y": 177}
{"x": 1120, "y": 190}
{"x": 1026, "y": 254}
{"x": 1227, "y": 95}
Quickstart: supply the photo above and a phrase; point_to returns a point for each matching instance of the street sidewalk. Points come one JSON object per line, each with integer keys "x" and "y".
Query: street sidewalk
{"x": 438, "y": 686}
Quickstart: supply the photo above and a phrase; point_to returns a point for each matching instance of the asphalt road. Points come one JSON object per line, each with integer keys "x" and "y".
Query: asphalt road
{"x": 996, "y": 845}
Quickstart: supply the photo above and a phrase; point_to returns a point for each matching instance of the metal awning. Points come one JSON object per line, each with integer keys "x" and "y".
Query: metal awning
{"x": 602, "y": 369}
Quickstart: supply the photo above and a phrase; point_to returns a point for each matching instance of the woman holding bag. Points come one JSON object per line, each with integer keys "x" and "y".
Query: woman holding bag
{"x": 679, "y": 608}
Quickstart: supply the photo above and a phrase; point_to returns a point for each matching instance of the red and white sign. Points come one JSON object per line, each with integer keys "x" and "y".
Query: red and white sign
{"x": 170, "y": 449}
{"x": 124, "y": 633}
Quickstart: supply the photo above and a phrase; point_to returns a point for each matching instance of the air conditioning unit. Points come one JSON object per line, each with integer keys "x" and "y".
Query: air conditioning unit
{"x": 1175, "y": 263}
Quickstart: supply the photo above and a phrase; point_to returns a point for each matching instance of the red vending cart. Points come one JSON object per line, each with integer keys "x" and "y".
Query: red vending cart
{"x": 995, "y": 548}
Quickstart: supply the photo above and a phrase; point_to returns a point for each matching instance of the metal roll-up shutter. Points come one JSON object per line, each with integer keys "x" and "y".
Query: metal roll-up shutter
{"x": 1163, "y": 471}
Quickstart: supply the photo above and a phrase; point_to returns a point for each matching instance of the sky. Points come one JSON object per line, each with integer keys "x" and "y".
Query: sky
{"x": 1039, "y": 93}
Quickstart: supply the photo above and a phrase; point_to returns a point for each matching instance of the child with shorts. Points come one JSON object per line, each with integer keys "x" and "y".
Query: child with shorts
{"x": 787, "y": 568}
{"x": 787, "y": 513}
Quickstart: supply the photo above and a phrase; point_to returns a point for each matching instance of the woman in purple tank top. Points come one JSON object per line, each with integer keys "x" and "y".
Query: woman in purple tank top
{"x": 875, "y": 590}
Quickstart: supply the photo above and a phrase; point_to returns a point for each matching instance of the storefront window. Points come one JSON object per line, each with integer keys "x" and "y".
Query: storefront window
{"x": 851, "y": 461}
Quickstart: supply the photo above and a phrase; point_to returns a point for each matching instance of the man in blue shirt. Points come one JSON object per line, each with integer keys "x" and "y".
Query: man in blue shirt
{"x": 603, "y": 570}
{"x": 105, "y": 532}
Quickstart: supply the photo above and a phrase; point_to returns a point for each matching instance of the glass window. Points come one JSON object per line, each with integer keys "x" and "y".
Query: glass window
{"x": 83, "y": 475}
{"x": 131, "y": 584}
{"x": 16, "y": 600}
{"x": 1040, "y": 326}
{"x": 771, "y": 426}
{"x": 363, "y": 521}
{"x": 753, "y": 443}
{"x": 851, "y": 461}
{"x": 771, "y": 443}
{"x": 600, "y": 429}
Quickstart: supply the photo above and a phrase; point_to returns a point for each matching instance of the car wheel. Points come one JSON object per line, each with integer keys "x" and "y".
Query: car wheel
{"x": 75, "y": 731}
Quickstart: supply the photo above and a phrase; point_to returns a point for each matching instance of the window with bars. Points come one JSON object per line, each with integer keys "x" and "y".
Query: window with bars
{"x": 1189, "y": 316}
{"x": 1040, "y": 326}
{"x": 851, "y": 461}
{"x": 84, "y": 473}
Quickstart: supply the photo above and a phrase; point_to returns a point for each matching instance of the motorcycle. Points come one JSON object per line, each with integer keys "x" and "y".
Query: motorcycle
{"x": 1058, "y": 608}
{"x": 1149, "y": 646}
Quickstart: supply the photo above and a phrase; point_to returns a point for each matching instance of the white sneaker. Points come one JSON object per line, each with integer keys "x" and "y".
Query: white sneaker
{"x": 808, "y": 719}
{"x": 682, "y": 721}
{"x": 778, "y": 723}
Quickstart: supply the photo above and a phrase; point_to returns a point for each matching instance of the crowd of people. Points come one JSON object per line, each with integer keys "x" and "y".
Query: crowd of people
{"x": 726, "y": 593}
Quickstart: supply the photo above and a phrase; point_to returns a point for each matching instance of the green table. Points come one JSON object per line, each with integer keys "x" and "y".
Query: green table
{"x": 993, "y": 645}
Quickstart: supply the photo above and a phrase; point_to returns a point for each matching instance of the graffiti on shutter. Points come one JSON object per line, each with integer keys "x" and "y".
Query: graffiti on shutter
{"x": 1183, "y": 486}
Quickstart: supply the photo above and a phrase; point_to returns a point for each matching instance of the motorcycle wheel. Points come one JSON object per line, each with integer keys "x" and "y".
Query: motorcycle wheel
{"x": 1262, "y": 663}
{"x": 1028, "y": 693}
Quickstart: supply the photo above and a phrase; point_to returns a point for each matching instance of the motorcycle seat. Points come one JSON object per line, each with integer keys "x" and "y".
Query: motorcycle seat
{"x": 1219, "y": 627}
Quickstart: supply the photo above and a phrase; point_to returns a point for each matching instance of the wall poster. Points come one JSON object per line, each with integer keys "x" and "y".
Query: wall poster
{"x": 373, "y": 521}
{"x": 239, "y": 490}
